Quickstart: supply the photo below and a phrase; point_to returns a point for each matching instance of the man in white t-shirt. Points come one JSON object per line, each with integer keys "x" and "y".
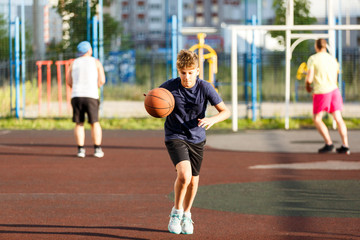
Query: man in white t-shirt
{"x": 85, "y": 76}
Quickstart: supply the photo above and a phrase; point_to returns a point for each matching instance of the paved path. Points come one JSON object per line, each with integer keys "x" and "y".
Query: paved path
{"x": 300, "y": 141}
{"x": 126, "y": 109}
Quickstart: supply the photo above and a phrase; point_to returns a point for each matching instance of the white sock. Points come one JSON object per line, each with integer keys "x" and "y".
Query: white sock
{"x": 187, "y": 214}
{"x": 177, "y": 211}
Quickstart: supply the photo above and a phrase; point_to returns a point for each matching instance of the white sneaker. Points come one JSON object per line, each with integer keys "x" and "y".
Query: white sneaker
{"x": 81, "y": 153}
{"x": 98, "y": 153}
{"x": 175, "y": 221}
{"x": 187, "y": 226}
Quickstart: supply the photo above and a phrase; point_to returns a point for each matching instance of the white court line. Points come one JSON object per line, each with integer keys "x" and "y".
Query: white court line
{"x": 324, "y": 165}
{"x": 4, "y": 132}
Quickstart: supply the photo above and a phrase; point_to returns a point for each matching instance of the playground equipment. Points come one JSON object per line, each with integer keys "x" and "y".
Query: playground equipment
{"x": 19, "y": 31}
{"x": 211, "y": 57}
{"x": 302, "y": 71}
{"x": 58, "y": 64}
{"x": 300, "y": 75}
{"x": 48, "y": 81}
{"x": 288, "y": 28}
{"x": 48, "y": 64}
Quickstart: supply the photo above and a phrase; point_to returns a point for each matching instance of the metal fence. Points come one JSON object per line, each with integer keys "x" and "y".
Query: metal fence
{"x": 128, "y": 79}
{"x": 131, "y": 71}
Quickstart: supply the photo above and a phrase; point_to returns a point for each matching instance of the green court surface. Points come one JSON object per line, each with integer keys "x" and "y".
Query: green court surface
{"x": 330, "y": 198}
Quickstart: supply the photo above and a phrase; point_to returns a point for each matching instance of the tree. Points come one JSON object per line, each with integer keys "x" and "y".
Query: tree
{"x": 301, "y": 17}
{"x": 4, "y": 39}
{"x": 74, "y": 15}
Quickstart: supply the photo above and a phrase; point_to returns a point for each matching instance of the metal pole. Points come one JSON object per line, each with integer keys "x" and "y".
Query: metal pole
{"x": 10, "y": 59}
{"x": 234, "y": 81}
{"x": 174, "y": 45}
{"x": 259, "y": 11}
{"x": 289, "y": 22}
{"x": 95, "y": 37}
{"x": 259, "y": 22}
{"x": 332, "y": 37}
{"x": 253, "y": 73}
{"x": 180, "y": 17}
{"x": 88, "y": 20}
{"x": 331, "y": 21}
{"x": 17, "y": 67}
{"x": 167, "y": 38}
{"x": 340, "y": 55}
{"x": 101, "y": 44}
{"x": 23, "y": 56}
{"x": 101, "y": 32}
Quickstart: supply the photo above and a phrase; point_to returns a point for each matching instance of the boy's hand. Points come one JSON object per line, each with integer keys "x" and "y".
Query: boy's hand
{"x": 206, "y": 123}
{"x": 308, "y": 87}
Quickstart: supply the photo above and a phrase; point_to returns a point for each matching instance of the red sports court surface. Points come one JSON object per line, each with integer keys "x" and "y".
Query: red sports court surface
{"x": 48, "y": 193}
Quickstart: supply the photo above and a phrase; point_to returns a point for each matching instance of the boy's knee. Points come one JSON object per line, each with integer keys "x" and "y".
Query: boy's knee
{"x": 184, "y": 178}
{"x": 317, "y": 119}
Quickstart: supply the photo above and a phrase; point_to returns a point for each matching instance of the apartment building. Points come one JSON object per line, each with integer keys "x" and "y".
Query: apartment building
{"x": 147, "y": 21}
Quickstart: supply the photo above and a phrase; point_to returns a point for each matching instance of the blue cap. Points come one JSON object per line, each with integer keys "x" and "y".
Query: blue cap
{"x": 83, "y": 47}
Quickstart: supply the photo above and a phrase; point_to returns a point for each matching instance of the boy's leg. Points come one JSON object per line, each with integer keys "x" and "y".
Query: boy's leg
{"x": 79, "y": 132}
{"x": 341, "y": 128}
{"x": 96, "y": 133}
{"x": 182, "y": 182}
{"x": 321, "y": 127}
{"x": 191, "y": 193}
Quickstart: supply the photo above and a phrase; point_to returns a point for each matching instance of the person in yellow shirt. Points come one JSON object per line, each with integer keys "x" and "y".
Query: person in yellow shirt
{"x": 321, "y": 79}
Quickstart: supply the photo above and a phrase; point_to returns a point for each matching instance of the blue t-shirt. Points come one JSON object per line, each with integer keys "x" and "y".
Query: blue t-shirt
{"x": 190, "y": 105}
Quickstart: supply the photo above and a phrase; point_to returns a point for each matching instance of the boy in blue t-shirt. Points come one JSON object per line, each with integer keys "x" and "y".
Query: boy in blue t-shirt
{"x": 185, "y": 134}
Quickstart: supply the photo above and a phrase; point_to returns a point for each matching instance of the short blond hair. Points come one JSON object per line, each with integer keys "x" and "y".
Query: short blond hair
{"x": 187, "y": 59}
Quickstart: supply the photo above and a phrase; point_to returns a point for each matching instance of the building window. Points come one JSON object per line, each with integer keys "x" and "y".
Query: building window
{"x": 189, "y": 19}
{"x": 125, "y": 16}
{"x": 214, "y": 8}
{"x": 200, "y": 8}
{"x": 188, "y": 6}
{"x": 141, "y": 19}
{"x": 200, "y": 20}
{"x": 155, "y": 19}
{"x": 215, "y": 20}
{"x": 232, "y": 2}
{"x": 155, "y": 32}
{"x": 155, "y": 6}
{"x": 140, "y": 36}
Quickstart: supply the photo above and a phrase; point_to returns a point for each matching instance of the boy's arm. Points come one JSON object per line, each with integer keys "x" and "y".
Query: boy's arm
{"x": 69, "y": 77}
{"x": 309, "y": 79}
{"x": 224, "y": 113}
{"x": 101, "y": 73}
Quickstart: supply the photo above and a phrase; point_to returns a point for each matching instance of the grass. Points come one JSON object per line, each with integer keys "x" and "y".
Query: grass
{"x": 157, "y": 124}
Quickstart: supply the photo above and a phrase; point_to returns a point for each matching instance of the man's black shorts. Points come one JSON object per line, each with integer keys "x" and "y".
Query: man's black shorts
{"x": 82, "y": 105}
{"x": 180, "y": 150}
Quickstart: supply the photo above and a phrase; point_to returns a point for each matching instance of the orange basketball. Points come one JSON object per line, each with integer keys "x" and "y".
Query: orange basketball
{"x": 159, "y": 102}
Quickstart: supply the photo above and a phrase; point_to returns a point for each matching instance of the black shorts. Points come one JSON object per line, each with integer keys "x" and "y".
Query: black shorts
{"x": 82, "y": 105}
{"x": 180, "y": 150}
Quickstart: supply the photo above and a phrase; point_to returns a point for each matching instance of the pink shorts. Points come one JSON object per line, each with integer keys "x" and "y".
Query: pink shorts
{"x": 329, "y": 102}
